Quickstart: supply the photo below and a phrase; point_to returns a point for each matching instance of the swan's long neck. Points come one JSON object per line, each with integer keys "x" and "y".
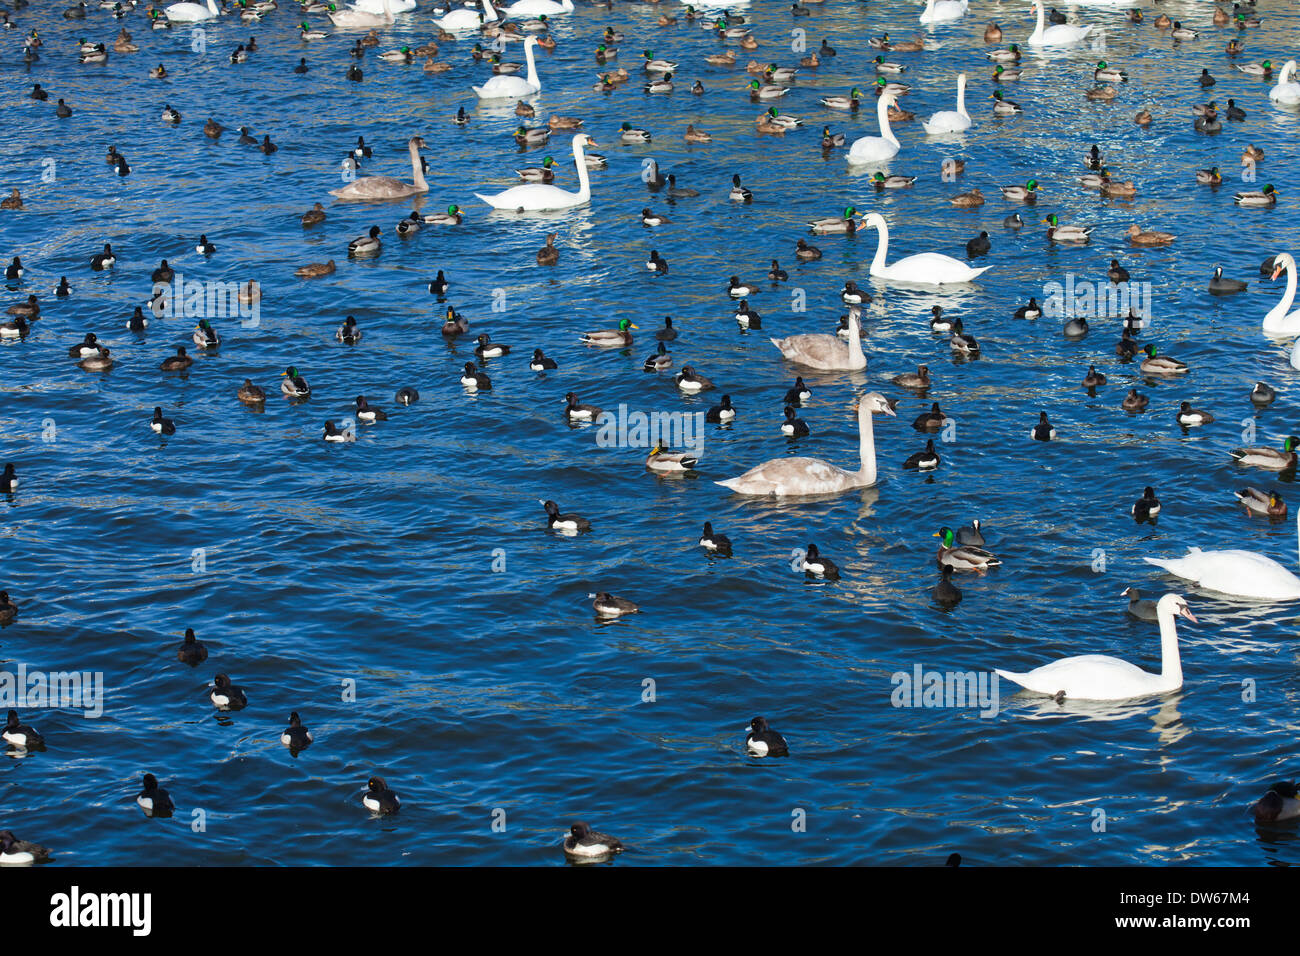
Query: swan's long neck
{"x": 1171, "y": 666}
{"x": 856, "y": 354}
{"x": 868, "y": 446}
{"x": 491, "y": 12}
{"x": 1283, "y": 308}
{"x": 882, "y": 117}
{"x": 1038, "y": 30}
{"x": 417, "y": 173}
{"x": 584, "y": 177}
{"x": 882, "y": 249}
{"x": 212, "y": 8}
{"x": 1285, "y": 76}
{"x": 961, "y": 97}
{"x": 532, "y": 64}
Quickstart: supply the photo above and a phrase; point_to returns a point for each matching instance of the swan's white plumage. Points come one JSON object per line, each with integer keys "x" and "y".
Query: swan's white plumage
{"x": 503, "y": 87}
{"x": 1286, "y": 91}
{"x": 386, "y": 187}
{"x": 826, "y": 352}
{"x": 812, "y": 476}
{"x": 1234, "y": 572}
{"x": 189, "y": 12}
{"x": 538, "y": 197}
{"x": 1281, "y": 320}
{"x": 877, "y": 149}
{"x": 925, "y": 268}
{"x": 937, "y": 11}
{"x": 1057, "y": 34}
{"x": 951, "y": 121}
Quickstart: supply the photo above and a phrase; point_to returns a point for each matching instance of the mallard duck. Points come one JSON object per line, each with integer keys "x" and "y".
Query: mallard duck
{"x": 992, "y": 33}
{"x": 1003, "y": 106}
{"x": 1010, "y": 55}
{"x": 1105, "y": 73}
{"x": 1263, "y": 197}
{"x": 454, "y": 216}
{"x": 1027, "y": 194}
{"x": 766, "y": 91}
{"x": 1270, "y": 459}
{"x": 881, "y": 181}
{"x": 1112, "y": 189}
{"x": 810, "y": 62}
{"x": 548, "y": 255}
{"x": 1252, "y": 154}
{"x": 367, "y": 245}
{"x": 959, "y": 341}
{"x": 852, "y": 102}
{"x": 887, "y": 67}
{"x": 293, "y": 384}
{"x": 670, "y": 462}
{"x": 1209, "y": 177}
{"x": 1155, "y": 364}
{"x": 897, "y": 115}
{"x": 894, "y": 89}
{"x": 611, "y": 338}
{"x": 738, "y": 192}
{"x": 652, "y": 65}
{"x": 1002, "y": 74}
{"x": 726, "y": 58}
{"x": 315, "y": 270}
{"x": 1058, "y": 233}
{"x": 205, "y": 336}
{"x": 535, "y": 136}
{"x": 538, "y": 174}
{"x": 968, "y": 199}
{"x": 1265, "y": 504}
{"x": 1264, "y": 69}
{"x": 914, "y": 45}
{"x": 962, "y": 557}
{"x": 693, "y": 135}
{"x": 1140, "y": 238}
{"x": 631, "y": 134}
{"x": 1143, "y": 118}
{"x": 1181, "y": 32}
{"x": 1101, "y": 93}
{"x": 775, "y": 117}
{"x": 779, "y": 74}
{"x": 836, "y": 225}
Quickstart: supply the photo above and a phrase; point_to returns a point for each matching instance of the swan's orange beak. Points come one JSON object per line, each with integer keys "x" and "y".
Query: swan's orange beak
{"x": 1277, "y": 272}
{"x": 1187, "y": 613}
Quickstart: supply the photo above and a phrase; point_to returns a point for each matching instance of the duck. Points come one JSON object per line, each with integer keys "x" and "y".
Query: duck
{"x": 454, "y": 216}
{"x": 835, "y": 225}
{"x": 611, "y": 338}
{"x": 97, "y": 363}
{"x": 1097, "y": 677}
{"x": 1043, "y": 431}
{"x": 945, "y": 593}
{"x": 831, "y": 140}
{"x": 1257, "y": 198}
{"x": 776, "y": 273}
{"x": 798, "y": 394}
{"x": 1070, "y": 234}
{"x": 63, "y": 289}
{"x": 367, "y": 245}
{"x": 153, "y": 799}
{"x": 740, "y": 290}
{"x": 932, "y": 420}
{"x": 1027, "y": 194}
{"x": 540, "y": 362}
{"x": 315, "y": 270}
{"x": 1002, "y": 74}
{"x": 806, "y": 252}
{"x": 721, "y": 413}
{"x": 454, "y": 324}
{"x": 852, "y": 102}
{"x": 793, "y": 427}
{"x": 378, "y": 799}
{"x": 1181, "y": 32}
{"x": 178, "y": 362}
{"x": 1148, "y": 506}
{"x": 487, "y": 349}
{"x": 1269, "y": 459}
{"x": 815, "y": 565}
{"x": 565, "y": 523}
{"x": 979, "y": 246}
{"x": 763, "y": 741}
{"x": 313, "y": 216}
{"x": 368, "y": 413}
{"x": 576, "y": 411}
{"x": 1105, "y": 73}
{"x": 917, "y": 381}
{"x": 693, "y": 135}
{"x": 31, "y": 309}
{"x": 691, "y": 382}
{"x": 630, "y": 134}
{"x": 746, "y": 317}
{"x": 670, "y": 462}
{"x": 1093, "y": 379}
{"x": 226, "y": 696}
{"x": 1143, "y": 117}
{"x": 296, "y": 737}
{"x": 963, "y": 557}
{"x": 293, "y": 384}
{"x": 86, "y": 347}
{"x": 926, "y": 460}
{"x": 104, "y": 260}
{"x": 18, "y": 734}
{"x": 205, "y": 336}
{"x": 1135, "y": 401}
{"x": 1264, "y": 504}
{"x": 1234, "y": 112}
{"x": 1155, "y": 364}
{"x": 1031, "y": 310}
{"x": 880, "y": 181}
{"x": 667, "y": 333}
{"x": 1281, "y": 802}
{"x": 251, "y": 394}
{"x": 1003, "y": 106}
{"x": 585, "y": 845}
{"x": 474, "y": 380}
{"x": 163, "y": 426}
{"x": 13, "y": 201}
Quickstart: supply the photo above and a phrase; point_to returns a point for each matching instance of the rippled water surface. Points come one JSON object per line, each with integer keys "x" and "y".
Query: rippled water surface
{"x": 483, "y": 680}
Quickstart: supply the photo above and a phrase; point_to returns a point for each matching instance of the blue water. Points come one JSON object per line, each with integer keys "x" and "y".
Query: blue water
{"x": 483, "y": 681}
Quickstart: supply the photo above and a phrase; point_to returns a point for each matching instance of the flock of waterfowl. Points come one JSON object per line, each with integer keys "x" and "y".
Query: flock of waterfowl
{"x": 1237, "y": 573}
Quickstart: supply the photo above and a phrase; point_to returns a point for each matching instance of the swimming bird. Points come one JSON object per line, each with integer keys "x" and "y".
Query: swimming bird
{"x": 369, "y": 188}
{"x": 611, "y": 338}
{"x": 474, "y": 380}
{"x": 1266, "y": 504}
{"x": 826, "y": 352}
{"x": 566, "y": 523}
{"x": 1093, "y": 379}
{"x": 378, "y": 798}
{"x": 721, "y": 413}
{"x": 295, "y": 736}
{"x": 1269, "y": 459}
{"x": 763, "y": 741}
{"x": 1188, "y": 416}
{"x": 716, "y": 543}
{"x": 1262, "y": 394}
{"x": 1043, "y": 431}
{"x": 691, "y": 382}
{"x": 926, "y": 460}
{"x": 163, "y": 426}
{"x": 349, "y": 333}
{"x": 1155, "y": 364}
{"x": 610, "y": 605}
{"x": 19, "y": 852}
{"x": 815, "y": 565}
{"x": 18, "y": 734}
{"x": 585, "y": 845}
{"x": 178, "y": 362}
{"x": 226, "y": 696}
{"x": 1281, "y": 802}
{"x": 293, "y": 384}
{"x": 963, "y": 557}
{"x": 1098, "y": 677}
{"x": 368, "y": 413}
{"x": 366, "y": 246}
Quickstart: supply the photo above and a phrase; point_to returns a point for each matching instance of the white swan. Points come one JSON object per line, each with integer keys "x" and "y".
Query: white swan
{"x": 812, "y": 476}
{"x": 1287, "y": 90}
{"x": 827, "y": 352}
{"x": 1098, "y": 677}
{"x": 925, "y": 268}
{"x": 462, "y": 19}
{"x": 537, "y": 8}
{"x": 876, "y": 149}
{"x": 947, "y": 121}
{"x": 503, "y": 87}
{"x": 1238, "y": 573}
{"x": 188, "y": 12}
{"x": 383, "y": 6}
{"x": 386, "y": 187}
{"x": 361, "y": 14}
{"x": 536, "y": 197}
{"x": 1281, "y": 321}
{"x": 1056, "y": 34}
{"x": 937, "y": 11}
